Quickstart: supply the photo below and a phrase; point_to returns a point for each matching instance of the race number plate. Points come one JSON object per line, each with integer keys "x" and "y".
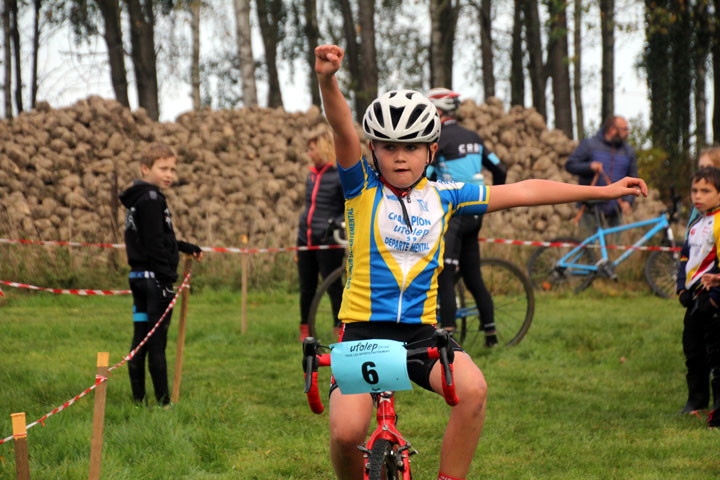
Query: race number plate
{"x": 368, "y": 366}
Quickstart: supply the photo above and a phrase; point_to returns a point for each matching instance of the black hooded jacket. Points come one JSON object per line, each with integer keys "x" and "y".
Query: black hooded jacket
{"x": 149, "y": 236}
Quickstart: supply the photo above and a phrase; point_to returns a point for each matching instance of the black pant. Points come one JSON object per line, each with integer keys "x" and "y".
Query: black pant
{"x": 311, "y": 263}
{"x": 701, "y": 346}
{"x": 462, "y": 252}
{"x": 150, "y": 302}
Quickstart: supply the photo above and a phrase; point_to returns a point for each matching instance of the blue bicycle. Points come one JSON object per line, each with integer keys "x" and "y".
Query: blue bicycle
{"x": 574, "y": 268}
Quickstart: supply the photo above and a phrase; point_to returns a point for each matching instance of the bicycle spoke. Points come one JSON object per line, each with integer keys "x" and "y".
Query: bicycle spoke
{"x": 512, "y": 305}
{"x": 546, "y": 275}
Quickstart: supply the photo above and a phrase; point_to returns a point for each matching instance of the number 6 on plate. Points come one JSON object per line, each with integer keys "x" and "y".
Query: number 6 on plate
{"x": 369, "y": 366}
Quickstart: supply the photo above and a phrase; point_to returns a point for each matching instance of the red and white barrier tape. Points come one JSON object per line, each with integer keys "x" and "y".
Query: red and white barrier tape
{"x": 204, "y": 249}
{"x": 70, "y": 291}
{"x": 99, "y": 379}
{"x": 62, "y": 244}
{"x": 506, "y": 241}
{"x": 532, "y": 243}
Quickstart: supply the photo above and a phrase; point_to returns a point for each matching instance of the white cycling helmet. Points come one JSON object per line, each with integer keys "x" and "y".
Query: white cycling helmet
{"x": 444, "y": 99}
{"x": 402, "y": 116}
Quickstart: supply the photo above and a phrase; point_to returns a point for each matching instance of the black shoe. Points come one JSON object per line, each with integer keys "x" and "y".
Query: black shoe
{"x": 714, "y": 419}
{"x": 491, "y": 340}
{"x": 690, "y": 409}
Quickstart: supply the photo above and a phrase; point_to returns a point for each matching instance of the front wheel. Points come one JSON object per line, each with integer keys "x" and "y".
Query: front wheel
{"x": 546, "y": 275}
{"x": 513, "y": 305}
{"x": 322, "y": 317}
{"x": 382, "y": 463}
{"x": 661, "y": 271}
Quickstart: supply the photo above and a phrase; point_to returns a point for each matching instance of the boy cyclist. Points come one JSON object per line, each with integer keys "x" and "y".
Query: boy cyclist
{"x": 701, "y": 325}
{"x": 396, "y": 219}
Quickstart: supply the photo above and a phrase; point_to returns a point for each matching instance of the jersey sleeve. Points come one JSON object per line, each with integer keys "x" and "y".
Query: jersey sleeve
{"x": 355, "y": 178}
{"x": 466, "y": 198}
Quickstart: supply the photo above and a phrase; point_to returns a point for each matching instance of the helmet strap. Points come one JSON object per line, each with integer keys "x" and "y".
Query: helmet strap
{"x": 401, "y": 193}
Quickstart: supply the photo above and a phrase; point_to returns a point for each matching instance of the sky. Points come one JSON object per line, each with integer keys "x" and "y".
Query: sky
{"x": 70, "y": 72}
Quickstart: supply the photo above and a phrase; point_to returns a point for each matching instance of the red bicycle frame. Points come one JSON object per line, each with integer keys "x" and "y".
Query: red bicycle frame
{"x": 386, "y": 429}
{"x": 384, "y": 402}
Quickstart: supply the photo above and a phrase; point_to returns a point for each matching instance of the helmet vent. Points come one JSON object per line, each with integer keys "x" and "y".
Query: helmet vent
{"x": 377, "y": 110}
{"x": 395, "y": 114}
{"x": 417, "y": 111}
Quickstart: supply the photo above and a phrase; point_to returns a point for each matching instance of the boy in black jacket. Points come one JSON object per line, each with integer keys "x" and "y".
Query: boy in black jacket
{"x": 698, "y": 261}
{"x": 152, "y": 252}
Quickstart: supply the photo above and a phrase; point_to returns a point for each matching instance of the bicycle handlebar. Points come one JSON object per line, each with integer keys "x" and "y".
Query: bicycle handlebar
{"x": 441, "y": 351}
{"x": 338, "y": 231}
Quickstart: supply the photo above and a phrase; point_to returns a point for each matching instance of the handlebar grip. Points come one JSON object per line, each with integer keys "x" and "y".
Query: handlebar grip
{"x": 448, "y": 388}
{"x": 313, "y": 394}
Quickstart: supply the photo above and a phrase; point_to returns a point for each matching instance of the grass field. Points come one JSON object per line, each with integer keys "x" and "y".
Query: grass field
{"x": 590, "y": 393}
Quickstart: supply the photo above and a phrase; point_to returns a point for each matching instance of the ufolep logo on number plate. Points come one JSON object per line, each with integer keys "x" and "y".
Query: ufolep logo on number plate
{"x": 367, "y": 366}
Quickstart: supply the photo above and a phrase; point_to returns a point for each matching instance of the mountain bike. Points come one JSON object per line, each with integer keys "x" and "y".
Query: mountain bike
{"x": 572, "y": 266}
{"x": 513, "y": 304}
{"x": 386, "y": 452}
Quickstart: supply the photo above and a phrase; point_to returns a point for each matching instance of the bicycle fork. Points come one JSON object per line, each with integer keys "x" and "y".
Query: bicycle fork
{"x": 386, "y": 429}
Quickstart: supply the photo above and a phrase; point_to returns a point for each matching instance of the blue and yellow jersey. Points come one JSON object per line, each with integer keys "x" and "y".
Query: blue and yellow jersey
{"x": 701, "y": 250}
{"x": 392, "y": 269}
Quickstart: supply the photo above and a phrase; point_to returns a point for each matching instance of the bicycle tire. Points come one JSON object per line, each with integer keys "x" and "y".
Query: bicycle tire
{"x": 321, "y": 318}
{"x": 513, "y": 300}
{"x": 545, "y": 276}
{"x": 382, "y": 461}
{"x": 661, "y": 271}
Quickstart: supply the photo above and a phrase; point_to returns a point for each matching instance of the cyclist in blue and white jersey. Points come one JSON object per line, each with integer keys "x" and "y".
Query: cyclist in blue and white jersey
{"x": 396, "y": 220}
{"x": 461, "y": 157}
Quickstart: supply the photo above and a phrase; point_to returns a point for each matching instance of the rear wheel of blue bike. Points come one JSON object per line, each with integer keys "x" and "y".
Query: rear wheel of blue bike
{"x": 384, "y": 461}
{"x": 545, "y": 275}
{"x": 661, "y": 271}
{"x": 322, "y": 317}
{"x": 513, "y": 306}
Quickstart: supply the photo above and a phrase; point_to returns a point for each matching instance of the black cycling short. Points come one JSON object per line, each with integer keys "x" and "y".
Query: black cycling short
{"x": 419, "y": 373}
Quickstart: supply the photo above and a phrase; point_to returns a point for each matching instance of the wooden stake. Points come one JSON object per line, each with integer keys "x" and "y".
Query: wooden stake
{"x": 22, "y": 465}
{"x": 175, "y": 395}
{"x": 243, "y": 297}
{"x": 98, "y": 417}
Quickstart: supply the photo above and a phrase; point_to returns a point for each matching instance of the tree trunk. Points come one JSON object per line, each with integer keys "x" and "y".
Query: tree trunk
{"x": 559, "y": 67}
{"x": 486, "y": 47}
{"x": 268, "y": 20}
{"x": 607, "y": 30}
{"x": 443, "y": 22}
{"x": 716, "y": 78}
{"x": 37, "y": 4}
{"x": 517, "y": 78}
{"x": 703, "y": 34}
{"x": 142, "y": 39}
{"x": 535, "y": 65}
{"x": 245, "y": 52}
{"x": 15, "y": 32}
{"x": 577, "y": 71}
{"x": 368, "y": 54}
{"x": 7, "y": 87}
{"x": 195, "y": 61}
{"x": 312, "y": 34}
{"x": 110, "y": 11}
{"x": 352, "y": 56}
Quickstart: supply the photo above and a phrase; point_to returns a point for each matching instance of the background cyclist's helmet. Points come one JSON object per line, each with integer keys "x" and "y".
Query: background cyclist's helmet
{"x": 402, "y": 116}
{"x": 444, "y": 99}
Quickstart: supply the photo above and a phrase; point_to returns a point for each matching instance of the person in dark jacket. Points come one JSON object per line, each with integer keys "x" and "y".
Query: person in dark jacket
{"x": 461, "y": 157}
{"x": 152, "y": 252}
{"x": 601, "y": 160}
{"x": 324, "y": 201}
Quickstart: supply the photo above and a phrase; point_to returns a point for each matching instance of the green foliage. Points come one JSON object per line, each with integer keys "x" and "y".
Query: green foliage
{"x": 591, "y": 392}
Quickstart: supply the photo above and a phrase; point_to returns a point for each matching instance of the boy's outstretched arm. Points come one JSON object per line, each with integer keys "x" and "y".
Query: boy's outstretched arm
{"x": 328, "y": 59}
{"x": 546, "y": 192}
